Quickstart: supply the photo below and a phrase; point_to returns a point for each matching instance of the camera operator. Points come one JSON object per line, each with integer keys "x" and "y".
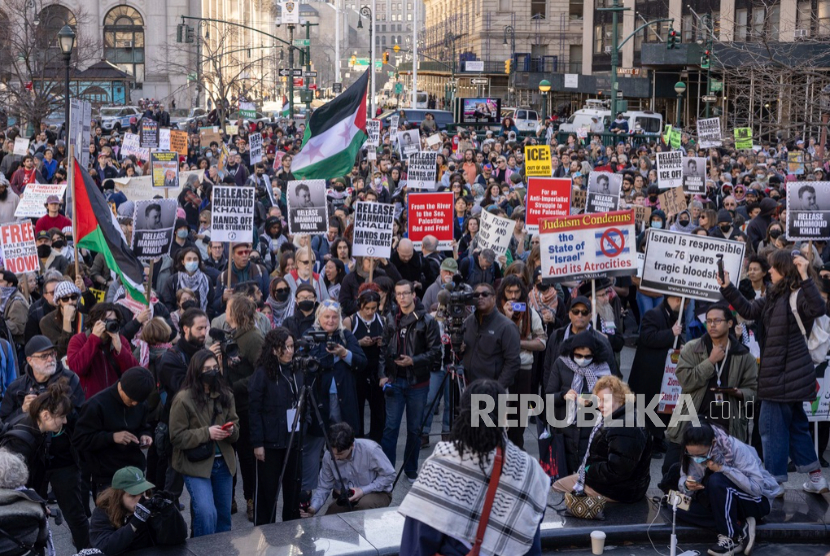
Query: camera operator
{"x": 274, "y": 393}
{"x": 125, "y": 519}
{"x": 367, "y": 474}
{"x": 410, "y": 351}
{"x": 492, "y": 344}
{"x": 59, "y": 466}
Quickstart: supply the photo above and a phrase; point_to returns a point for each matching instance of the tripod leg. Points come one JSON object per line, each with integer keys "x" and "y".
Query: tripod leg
{"x": 301, "y": 407}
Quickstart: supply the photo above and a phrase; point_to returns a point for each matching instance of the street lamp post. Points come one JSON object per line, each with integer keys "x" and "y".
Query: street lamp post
{"x": 66, "y": 40}
{"x": 508, "y": 30}
{"x": 544, "y": 87}
{"x": 369, "y": 13}
{"x": 679, "y": 88}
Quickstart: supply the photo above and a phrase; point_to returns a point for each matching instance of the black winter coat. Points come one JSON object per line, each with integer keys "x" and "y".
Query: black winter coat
{"x": 656, "y": 339}
{"x": 786, "y": 373}
{"x": 423, "y": 344}
{"x": 268, "y": 403}
{"x": 619, "y": 461}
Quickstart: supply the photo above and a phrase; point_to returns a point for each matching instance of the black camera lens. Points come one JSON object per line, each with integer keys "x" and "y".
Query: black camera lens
{"x": 112, "y": 326}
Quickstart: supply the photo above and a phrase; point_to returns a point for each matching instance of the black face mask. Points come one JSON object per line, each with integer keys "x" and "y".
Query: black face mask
{"x": 725, "y": 228}
{"x": 210, "y": 379}
{"x": 43, "y": 251}
{"x": 775, "y": 233}
{"x": 282, "y": 296}
{"x": 684, "y": 222}
{"x": 306, "y": 305}
{"x": 59, "y": 244}
{"x": 652, "y": 198}
{"x": 338, "y": 188}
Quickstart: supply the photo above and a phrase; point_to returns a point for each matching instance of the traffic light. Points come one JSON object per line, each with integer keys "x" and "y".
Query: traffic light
{"x": 704, "y": 60}
{"x": 507, "y": 66}
{"x": 180, "y": 32}
{"x": 353, "y": 61}
{"x": 190, "y": 35}
{"x": 385, "y": 57}
{"x": 672, "y": 40}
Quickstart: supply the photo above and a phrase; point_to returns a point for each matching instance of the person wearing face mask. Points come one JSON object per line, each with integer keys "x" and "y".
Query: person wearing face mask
{"x": 302, "y": 314}
{"x": 272, "y": 238}
{"x": 181, "y": 239}
{"x": 756, "y": 231}
{"x": 189, "y": 275}
{"x": 725, "y": 228}
{"x": 49, "y": 258}
{"x": 683, "y": 223}
{"x": 773, "y": 232}
{"x": 203, "y": 427}
{"x": 279, "y": 301}
{"x": 44, "y": 375}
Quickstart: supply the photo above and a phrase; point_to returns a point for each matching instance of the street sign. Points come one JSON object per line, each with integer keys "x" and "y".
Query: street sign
{"x": 709, "y": 98}
{"x": 285, "y": 72}
{"x": 619, "y": 94}
{"x": 311, "y": 74}
{"x": 337, "y": 88}
{"x": 715, "y": 86}
{"x": 398, "y": 88}
{"x": 295, "y": 72}
{"x": 302, "y": 42}
{"x": 396, "y": 48}
{"x": 628, "y": 71}
{"x": 474, "y": 65}
{"x": 479, "y": 81}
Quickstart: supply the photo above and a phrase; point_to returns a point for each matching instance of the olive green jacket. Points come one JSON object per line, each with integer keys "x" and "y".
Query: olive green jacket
{"x": 189, "y": 426}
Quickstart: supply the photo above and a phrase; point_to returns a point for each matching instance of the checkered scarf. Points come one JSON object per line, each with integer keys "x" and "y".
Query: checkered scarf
{"x": 450, "y": 492}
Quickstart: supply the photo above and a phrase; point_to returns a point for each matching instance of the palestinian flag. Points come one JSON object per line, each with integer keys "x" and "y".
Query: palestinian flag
{"x": 334, "y": 135}
{"x": 98, "y": 230}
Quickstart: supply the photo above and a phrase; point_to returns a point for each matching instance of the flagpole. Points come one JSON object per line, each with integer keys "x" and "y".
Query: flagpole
{"x": 70, "y": 177}
{"x": 150, "y": 280}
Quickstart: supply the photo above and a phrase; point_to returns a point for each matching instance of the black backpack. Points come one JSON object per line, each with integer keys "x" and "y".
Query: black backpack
{"x": 24, "y": 527}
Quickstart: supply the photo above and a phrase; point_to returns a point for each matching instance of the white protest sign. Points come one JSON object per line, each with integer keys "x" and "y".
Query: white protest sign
{"x": 495, "y": 233}
{"x": 33, "y": 198}
{"x": 669, "y": 169}
{"x": 19, "y": 249}
{"x": 232, "y": 213}
{"x": 819, "y": 409}
{"x": 255, "y": 147}
{"x": 687, "y": 265}
{"x": 434, "y": 139}
{"x": 308, "y": 209}
{"x": 603, "y": 192}
{"x": 21, "y": 146}
{"x": 373, "y": 229}
{"x": 393, "y": 124}
{"x": 373, "y": 131}
{"x": 588, "y": 246}
{"x": 694, "y": 175}
{"x": 670, "y": 388}
{"x": 423, "y": 168}
{"x": 132, "y": 146}
{"x": 164, "y": 139}
{"x": 153, "y": 225}
{"x": 80, "y": 122}
{"x": 708, "y": 133}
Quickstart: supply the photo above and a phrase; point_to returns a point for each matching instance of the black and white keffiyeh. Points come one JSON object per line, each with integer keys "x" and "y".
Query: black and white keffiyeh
{"x": 450, "y": 492}
{"x": 198, "y": 282}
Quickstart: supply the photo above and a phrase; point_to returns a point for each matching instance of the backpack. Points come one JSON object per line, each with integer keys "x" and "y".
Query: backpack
{"x": 24, "y": 527}
{"x": 818, "y": 342}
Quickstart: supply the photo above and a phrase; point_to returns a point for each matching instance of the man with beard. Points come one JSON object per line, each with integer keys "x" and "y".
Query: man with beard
{"x": 49, "y": 258}
{"x": 8, "y": 201}
{"x": 99, "y": 356}
{"x": 61, "y": 469}
{"x": 236, "y": 170}
{"x": 25, "y": 175}
{"x": 59, "y": 325}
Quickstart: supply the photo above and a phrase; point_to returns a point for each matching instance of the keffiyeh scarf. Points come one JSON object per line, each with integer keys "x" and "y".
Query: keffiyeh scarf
{"x": 450, "y": 491}
{"x": 588, "y": 374}
{"x": 198, "y": 282}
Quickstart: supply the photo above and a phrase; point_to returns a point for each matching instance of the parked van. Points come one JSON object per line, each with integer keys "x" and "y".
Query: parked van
{"x": 648, "y": 122}
{"x": 526, "y": 119}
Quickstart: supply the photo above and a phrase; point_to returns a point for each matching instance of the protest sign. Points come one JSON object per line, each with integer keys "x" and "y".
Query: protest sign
{"x": 247, "y": 110}
{"x": 141, "y": 188}
{"x": 153, "y": 226}
{"x": 231, "y": 129}
{"x": 743, "y": 137}
{"x": 232, "y": 213}
{"x": 308, "y": 211}
{"x": 149, "y": 133}
{"x": 708, "y": 133}
{"x": 373, "y": 132}
{"x": 132, "y": 146}
{"x": 495, "y": 232}
{"x": 21, "y": 146}
{"x": 686, "y": 265}
{"x": 423, "y": 167}
{"x": 80, "y": 123}
{"x": 434, "y": 140}
{"x": 546, "y": 197}
{"x": 431, "y": 214}
{"x": 373, "y": 230}
{"x": 409, "y": 142}
{"x": 165, "y": 169}
{"x": 208, "y": 135}
{"x": 538, "y": 161}
{"x": 670, "y": 169}
{"x": 673, "y": 201}
{"x": 100, "y": 295}
{"x": 33, "y": 198}
{"x": 603, "y": 192}
{"x": 641, "y": 216}
{"x": 19, "y": 249}
{"x": 819, "y": 408}
{"x": 164, "y": 139}
{"x": 578, "y": 198}
{"x": 393, "y": 125}
{"x": 694, "y": 175}
{"x": 795, "y": 163}
{"x": 255, "y": 147}
{"x": 670, "y": 389}
{"x": 588, "y": 246}
{"x": 808, "y": 210}
{"x": 675, "y": 138}
{"x": 178, "y": 142}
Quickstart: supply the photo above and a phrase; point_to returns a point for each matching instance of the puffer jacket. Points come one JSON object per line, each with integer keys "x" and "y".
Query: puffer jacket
{"x": 787, "y": 373}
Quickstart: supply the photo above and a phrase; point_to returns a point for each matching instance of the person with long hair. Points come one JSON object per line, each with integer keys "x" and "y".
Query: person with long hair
{"x": 279, "y": 300}
{"x": 333, "y": 273}
{"x": 203, "y": 427}
{"x": 468, "y": 239}
{"x": 274, "y": 395}
{"x": 476, "y": 446}
{"x": 342, "y": 250}
{"x": 786, "y": 376}
{"x": 729, "y": 487}
{"x": 189, "y": 274}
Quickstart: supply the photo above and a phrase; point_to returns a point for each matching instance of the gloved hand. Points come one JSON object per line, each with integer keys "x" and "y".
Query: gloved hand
{"x": 142, "y": 512}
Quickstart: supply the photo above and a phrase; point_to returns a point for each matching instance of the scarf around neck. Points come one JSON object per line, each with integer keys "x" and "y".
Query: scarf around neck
{"x": 198, "y": 282}
{"x": 6, "y": 293}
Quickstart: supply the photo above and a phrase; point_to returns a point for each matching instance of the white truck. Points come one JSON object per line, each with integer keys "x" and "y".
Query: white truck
{"x": 644, "y": 121}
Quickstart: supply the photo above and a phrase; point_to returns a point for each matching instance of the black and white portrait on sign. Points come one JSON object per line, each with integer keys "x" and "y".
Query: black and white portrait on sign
{"x": 808, "y": 210}
{"x": 603, "y": 192}
{"x": 153, "y": 227}
{"x": 307, "y": 207}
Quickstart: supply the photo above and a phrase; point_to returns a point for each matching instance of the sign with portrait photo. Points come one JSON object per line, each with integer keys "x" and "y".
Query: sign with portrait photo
{"x": 603, "y": 192}
{"x": 694, "y": 175}
{"x": 409, "y": 142}
{"x": 308, "y": 211}
{"x": 808, "y": 210}
{"x": 153, "y": 227}
{"x": 165, "y": 169}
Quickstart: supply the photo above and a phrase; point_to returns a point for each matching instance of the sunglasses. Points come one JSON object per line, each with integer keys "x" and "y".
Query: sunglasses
{"x": 583, "y": 312}
{"x": 73, "y": 297}
{"x": 282, "y": 290}
{"x": 478, "y": 295}
{"x": 542, "y": 287}
{"x": 243, "y": 252}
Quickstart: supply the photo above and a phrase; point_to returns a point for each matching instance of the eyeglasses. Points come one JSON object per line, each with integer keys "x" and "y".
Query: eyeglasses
{"x": 714, "y": 322}
{"x": 303, "y": 262}
{"x": 242, "y": 252}
{"x": 583, "y": 312}
{"x": 73, "y": 297}
{"x": 46, "y": 356}
{"x": 403, "y": 294}
{"x": 484, "y": 295}
{"x": 282, "y": 290}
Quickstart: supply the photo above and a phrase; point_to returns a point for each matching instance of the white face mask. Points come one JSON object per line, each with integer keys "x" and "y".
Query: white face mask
{"x": 583, "y": 361}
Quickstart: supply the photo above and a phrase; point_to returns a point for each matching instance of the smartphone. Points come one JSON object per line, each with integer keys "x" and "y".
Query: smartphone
{"x": 227, "y": 426}
{"x": 517, "y": 307}
{"x": 720, "y": 268}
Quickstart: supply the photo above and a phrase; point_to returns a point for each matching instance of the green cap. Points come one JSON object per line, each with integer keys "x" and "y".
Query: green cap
{"x": 131, "y": 480}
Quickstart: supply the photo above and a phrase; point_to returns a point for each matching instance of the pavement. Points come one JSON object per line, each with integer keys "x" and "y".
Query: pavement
{"x": 798, "y": 517}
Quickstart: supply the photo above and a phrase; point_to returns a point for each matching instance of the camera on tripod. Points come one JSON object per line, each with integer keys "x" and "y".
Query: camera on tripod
{"x": 228, "y": 346}
{"x": 456, "y": 297}
{"x": 303, "y": 360}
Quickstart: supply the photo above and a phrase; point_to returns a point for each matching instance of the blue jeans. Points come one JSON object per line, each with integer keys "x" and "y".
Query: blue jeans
{"x": 646, "y": 303}
{"x": 211, "y": 499}
{"x": 413, "y": 400}
{"x": 435, "y": 379}
{"x": 785, "y": 433}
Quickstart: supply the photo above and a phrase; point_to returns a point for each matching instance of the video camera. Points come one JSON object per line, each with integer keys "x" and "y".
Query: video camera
{"x": 456, "y": 297}
{"x": 35, "y": 390}
{"x": 303, "y": 360}
{"x": 229, "y": 347}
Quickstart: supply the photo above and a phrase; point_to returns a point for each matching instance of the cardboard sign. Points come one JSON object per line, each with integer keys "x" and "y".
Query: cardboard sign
{"x": 373, "y": 133}
{"x": 795, "y": 163}
{"x": 231, "y": 129}
{"x": 708, "y": 133}
{"x": 603, "y": 192}
{"x": 495, "y": 232}
{"x": 153, "y": 227}
{"x": 308, "y": 211}
{"x": 670, "y": 389}
{"x": 694, "y": 175}
{"x": 588, "y": 246}
{"x": 641, "y": 216}
{"x": 178, "y": 142}
{"x": 808, "y": 210}
{"x": 149, "y": 133}
{"x": 546, "y": 198}
{"x": 208, "y": 135}
{"x": 373, "y": 230}
{"x": 578, "y": 200}
{"x": 423, "y": 168}
{"x": 431, "y": 214}
{"x": 132, "y": 147}
{"x": 686, "y": 265}
{"x": 21, "y": 146}
{"x": 165, "y": 167}
{"x": 538, "y": 161}
{"x": 19, "y": 249}
{"x": 743, "y": 137}
{"x": 33, "y": 198}
{"x": 434, "y": 140}
{"x": 673, "y": 201}
{"x": 232, "y": 213}
{"x": 255, "y": 147}
{"x": 669, "y": 169}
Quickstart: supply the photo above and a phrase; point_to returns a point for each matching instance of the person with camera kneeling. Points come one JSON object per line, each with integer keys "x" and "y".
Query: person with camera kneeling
{"x": 366, "y": 472}
{"x": 101, "y": 355}
{"x": 125, "y": 519}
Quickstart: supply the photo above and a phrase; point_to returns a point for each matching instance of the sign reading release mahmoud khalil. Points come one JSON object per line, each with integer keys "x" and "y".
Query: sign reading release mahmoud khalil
{"x": 808, "y": 210}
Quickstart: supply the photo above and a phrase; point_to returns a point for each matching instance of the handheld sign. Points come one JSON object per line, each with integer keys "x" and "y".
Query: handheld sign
{"x": 743, "y": 137}
{"x": 495, "y": 232}
{"x": 149, "y": 133}
{"x": 255, "y": 147}
{"x": 373, "y": 131}
{"x": 669, "y": 169}
{"x": 21, "y": 146}
{"x": 232, "y": 213}
{"x": 153, "y": 226}
{"x": 423, "y": 168}
{"x": 373, "y": 229}
{"x": 132, "y": 146}
{"x": 165, "y": 169}
{"x": 686, "y": 265}
{"x": 308, "y": 211}
{"x": 694, "y": 175}
{"x": 808, "y": 210}
{"x": 431, "y": 214}
{"x": 409, "y": 142}
{"x": 795, "y": 163}
{"x": 19, "y": 249}
{"x": 603, "y": 192}
{"x": 708, "y": 133}
{"x": 178, "y": 142}
{"x": 546, "y": 198}
{"x": 588, "y": 246}
{"x": 538, "y": 161}
{"x": 32, "y": 202}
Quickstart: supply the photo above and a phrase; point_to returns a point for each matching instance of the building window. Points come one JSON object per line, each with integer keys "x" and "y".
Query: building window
{"x": 740, "y": 25}
{"x": 688, "y": 32}
{"x": 824, "y": 18}
{"x": 52, "y": 20}
{"x": 774, "y": 22}
{"x": 538, "y": 9}
{"x": 383, "y": 40}
{"x": 804, "y": 16}
{"x": 124, "y": 41}
{"x": 599, "y": 34}
{"x": 505, "y": 5}
{"x": 575, "y": 10}
{"x": 758, "y": 18}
